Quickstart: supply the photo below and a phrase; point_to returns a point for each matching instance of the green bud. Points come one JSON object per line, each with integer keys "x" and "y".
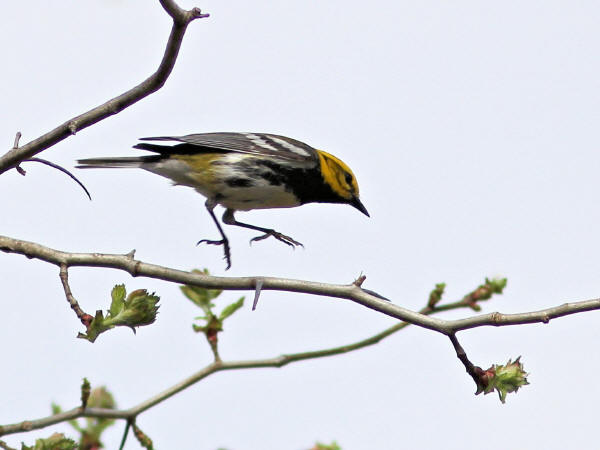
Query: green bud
{"x": 139, "y": 309}
{"x": 333, "y": 446}
{"x": 85, "y": 392}
{"x": 142, "y": 438}
{"x": 436, "y": 295}
{"x": 505, "y": 378}
{"x": 496, "y": 285}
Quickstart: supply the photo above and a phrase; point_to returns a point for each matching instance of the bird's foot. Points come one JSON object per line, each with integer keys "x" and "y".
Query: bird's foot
{"x": 226, "y": 249}
{"x": 280, "y": 237}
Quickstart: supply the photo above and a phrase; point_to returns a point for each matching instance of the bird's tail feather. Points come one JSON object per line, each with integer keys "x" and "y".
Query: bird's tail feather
{"x": 154, "y": 147}
{"x": 111, "y": 163}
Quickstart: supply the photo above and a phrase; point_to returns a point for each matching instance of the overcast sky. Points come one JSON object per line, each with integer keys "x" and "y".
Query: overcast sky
{"x": 472, "y": 128}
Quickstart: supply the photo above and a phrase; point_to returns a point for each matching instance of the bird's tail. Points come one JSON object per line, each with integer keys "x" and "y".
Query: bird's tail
{"x": 111, "y": 163}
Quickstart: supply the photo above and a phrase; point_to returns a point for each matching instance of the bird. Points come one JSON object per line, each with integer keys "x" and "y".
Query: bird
{"x": 242, "y": 172}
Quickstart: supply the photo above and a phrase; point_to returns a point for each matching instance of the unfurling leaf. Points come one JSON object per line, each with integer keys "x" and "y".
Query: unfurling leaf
{"x": 138, "y": 309}
{"x": 118, "y": 297}
{"x": 504, "y": 379}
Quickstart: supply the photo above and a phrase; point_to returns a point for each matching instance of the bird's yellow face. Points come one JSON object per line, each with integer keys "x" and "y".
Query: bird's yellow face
{"x": 338, "y": 176}
{"x": 341, "y": 179}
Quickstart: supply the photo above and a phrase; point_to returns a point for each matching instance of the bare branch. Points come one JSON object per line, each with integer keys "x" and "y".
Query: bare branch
{"x": 138, "y": 268}
{"x": 351, "y": 292}
{"x": 181, "y": 19}
{"x": 216, "y": 366}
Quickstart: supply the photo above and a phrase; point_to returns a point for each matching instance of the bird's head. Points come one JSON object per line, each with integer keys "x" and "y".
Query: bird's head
{"x": 338, "y": 176}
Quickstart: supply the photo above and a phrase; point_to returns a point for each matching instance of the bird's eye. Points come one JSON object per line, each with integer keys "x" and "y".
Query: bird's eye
{"x": 349, "y": 179}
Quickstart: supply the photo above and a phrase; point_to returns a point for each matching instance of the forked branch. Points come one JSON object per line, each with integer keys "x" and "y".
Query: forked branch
{"x": 181, "y": 19}
{"x": 351, "y": 292}
{"x": 217, "y": 366}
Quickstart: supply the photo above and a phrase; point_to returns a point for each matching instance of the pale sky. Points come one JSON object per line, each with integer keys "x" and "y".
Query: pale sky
{"x": 472, "y": 128}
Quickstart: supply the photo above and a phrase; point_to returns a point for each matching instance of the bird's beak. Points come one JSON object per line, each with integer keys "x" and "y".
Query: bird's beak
{"x": 358, "y": 205}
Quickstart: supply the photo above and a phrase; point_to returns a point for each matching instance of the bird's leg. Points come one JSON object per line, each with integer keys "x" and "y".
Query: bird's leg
{"x": 229, "y": 219}
{"x": 210, "y": 206}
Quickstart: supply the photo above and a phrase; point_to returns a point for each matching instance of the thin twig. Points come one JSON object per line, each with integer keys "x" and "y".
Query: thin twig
{"x": 348, "y": 292}
{"x": 474, "y": 371}
{"x": 181, "y": 19}
{"x": 16, "y": 146}
{"x": 125, "y": 433}
{"x": 17, "y": 139}
{"x": 57, "y": 167}
{"x": 85, "y": 318}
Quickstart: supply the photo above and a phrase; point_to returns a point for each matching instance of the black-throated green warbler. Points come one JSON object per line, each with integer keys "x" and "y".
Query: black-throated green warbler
{"x": 244, "y": 171}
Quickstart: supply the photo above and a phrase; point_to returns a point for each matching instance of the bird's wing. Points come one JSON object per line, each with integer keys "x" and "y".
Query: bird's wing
{"x": 271, "y": 145}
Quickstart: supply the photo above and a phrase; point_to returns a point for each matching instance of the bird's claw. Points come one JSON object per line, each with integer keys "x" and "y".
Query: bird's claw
{"x": 226, "y": 249}
{"x": 280, "y": 237}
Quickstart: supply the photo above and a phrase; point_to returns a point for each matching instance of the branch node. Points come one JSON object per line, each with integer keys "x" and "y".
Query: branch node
{"x": 545, "y": 318}
{"x": 196, "y": 13}
{"x": 496, "y": 318}
{"x": 72, "y": 127}
{"x": 15, "y": 147}
{"x": 112, "y": 107}
{"x": 360, "y": 280}
{"x": 17, "y": 139}
{"x": 136, "y": 269}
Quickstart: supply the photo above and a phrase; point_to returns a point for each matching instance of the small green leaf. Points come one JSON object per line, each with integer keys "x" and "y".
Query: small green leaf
{"x": 201, "y": 296}
{"x": 232, "y": 308}
{"x": 118, "y": 296}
